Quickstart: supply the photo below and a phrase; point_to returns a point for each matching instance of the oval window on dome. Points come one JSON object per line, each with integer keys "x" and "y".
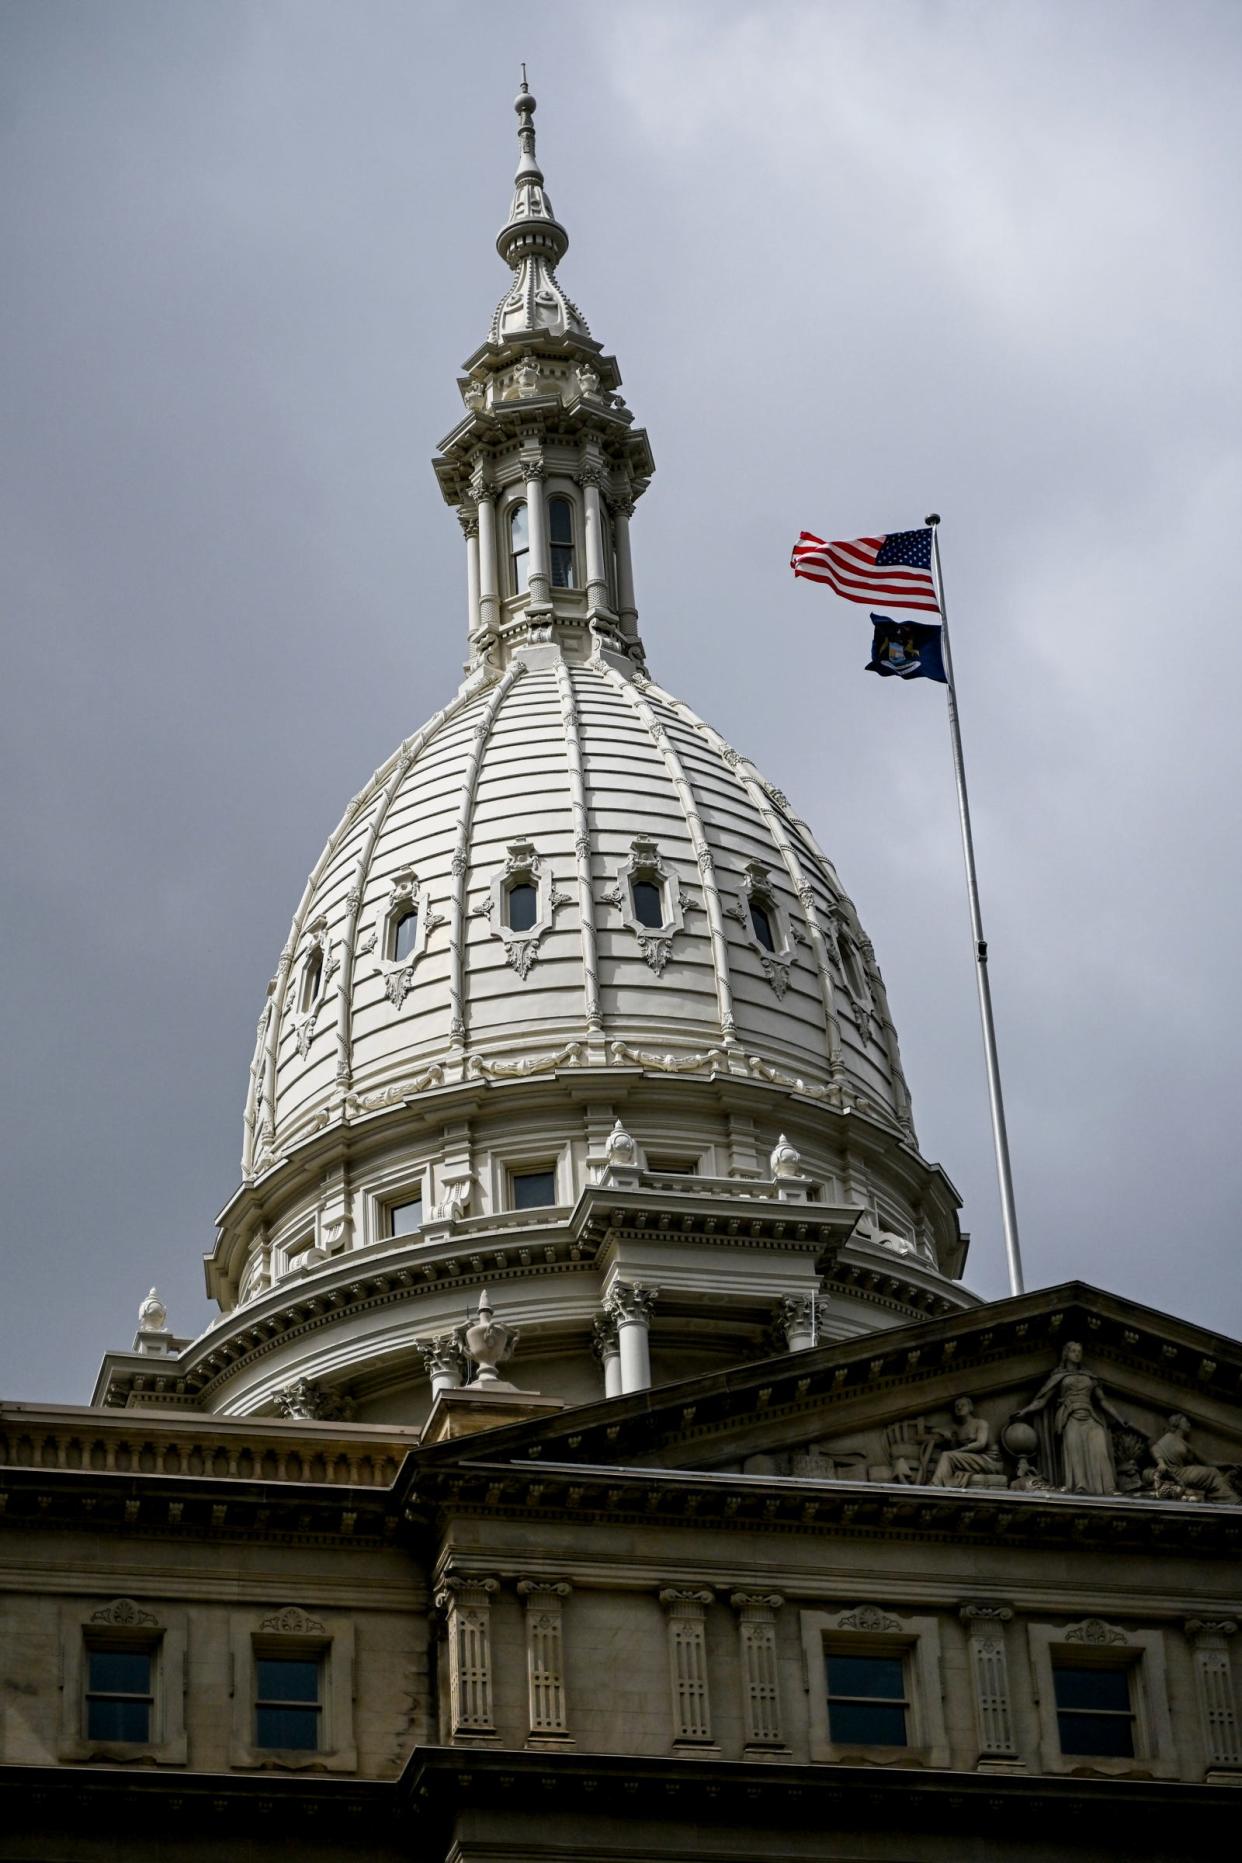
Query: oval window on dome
{"x": 761, "y": 925}
{"x": 404, "y": 934}
{"x": 561, "y": 542}
{"x": 648, "y": 903}
{"x": 312, "y": 978}
{"x": 519, "y": 549}
{"x": 521, "y": 906}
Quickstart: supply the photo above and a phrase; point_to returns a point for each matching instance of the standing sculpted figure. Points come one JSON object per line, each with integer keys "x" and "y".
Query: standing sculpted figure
{"x": 1080, "y": 1439}
{"x": 972, "y": 1454}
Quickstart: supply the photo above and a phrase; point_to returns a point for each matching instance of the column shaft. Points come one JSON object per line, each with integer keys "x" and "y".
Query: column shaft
{"x": 537, "y": 521}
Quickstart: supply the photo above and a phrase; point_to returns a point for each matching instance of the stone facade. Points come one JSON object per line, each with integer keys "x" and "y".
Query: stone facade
{"x": 596, "y": 1455}
{"x": 611, "y": 1626}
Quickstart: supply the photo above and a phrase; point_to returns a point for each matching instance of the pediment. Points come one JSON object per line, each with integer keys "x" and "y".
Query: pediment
{"x": 1100, "y": 1382}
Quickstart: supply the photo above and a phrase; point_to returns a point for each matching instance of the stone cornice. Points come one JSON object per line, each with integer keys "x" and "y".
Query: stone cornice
{"x": 1119, "y": 1814}
{"x": 698, "y": 1501}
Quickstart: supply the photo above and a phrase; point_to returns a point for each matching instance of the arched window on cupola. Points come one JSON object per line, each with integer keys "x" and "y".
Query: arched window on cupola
{"x": 761, "y": 924}
{"x": 647, "y": 893}
{"x": 403, "y": 934}
{"x": 312, "y": 978}
{"x": 561, "y": 540}
{"x": 519, "y": 549}
{"x": 521, "y": 906}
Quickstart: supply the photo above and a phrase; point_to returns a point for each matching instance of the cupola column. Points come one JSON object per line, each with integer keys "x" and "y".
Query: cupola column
{"x": 489, "y": 579}
{"x": 627, "y": 607}
{"x": 537, "y": 519}
{"x": 597, "y": 574}
{"x": 468, "y": 518}
{"x": 630, "y": 1304}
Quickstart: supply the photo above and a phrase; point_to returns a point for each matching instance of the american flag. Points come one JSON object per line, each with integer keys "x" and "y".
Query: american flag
{"x": 895, "y": 569}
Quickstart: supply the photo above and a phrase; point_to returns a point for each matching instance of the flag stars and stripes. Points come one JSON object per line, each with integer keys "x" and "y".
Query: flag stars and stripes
{"x": 894, "y": 569}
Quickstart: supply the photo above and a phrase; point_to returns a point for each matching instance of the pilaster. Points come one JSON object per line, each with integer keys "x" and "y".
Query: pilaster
{"x": 545, "y": 1660}
{"x": 989, "y": 1672}
{"x": 686, "y": 1611}
{"x": 467, "y": 1605}
{"x": 761, "y": 1700}
{"x": 1218, "y": 1711}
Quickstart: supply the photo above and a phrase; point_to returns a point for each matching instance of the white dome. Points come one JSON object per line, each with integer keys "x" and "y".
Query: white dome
{"x": 572, "y": 1007}
{"x": 578, "y": 781}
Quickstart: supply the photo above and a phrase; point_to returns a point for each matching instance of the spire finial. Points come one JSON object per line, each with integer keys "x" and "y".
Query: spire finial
{"x": 533, "y": 242}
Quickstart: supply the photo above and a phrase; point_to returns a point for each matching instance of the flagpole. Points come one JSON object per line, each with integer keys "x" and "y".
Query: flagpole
{"x": 1000, "y": 1140}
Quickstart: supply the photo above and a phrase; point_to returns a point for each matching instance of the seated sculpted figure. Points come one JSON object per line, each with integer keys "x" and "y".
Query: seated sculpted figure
{"x": 1175, "y": 1459}
{"x": 973, "y": 1452}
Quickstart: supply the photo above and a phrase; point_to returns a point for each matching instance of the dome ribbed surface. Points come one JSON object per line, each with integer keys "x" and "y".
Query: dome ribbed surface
{"x": 576, "y": 781}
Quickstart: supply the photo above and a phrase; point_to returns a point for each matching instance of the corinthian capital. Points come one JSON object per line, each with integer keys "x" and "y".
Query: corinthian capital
{"x": 630, "y": 1301}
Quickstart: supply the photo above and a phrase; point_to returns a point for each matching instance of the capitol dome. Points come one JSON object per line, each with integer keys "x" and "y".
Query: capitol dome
{"x": 573, "y": 1007}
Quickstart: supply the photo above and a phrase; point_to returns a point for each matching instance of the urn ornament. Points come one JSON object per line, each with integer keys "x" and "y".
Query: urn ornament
{"x": 490, "y": 1343}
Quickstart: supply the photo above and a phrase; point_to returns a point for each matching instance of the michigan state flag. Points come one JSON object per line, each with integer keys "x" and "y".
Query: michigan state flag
{"x": 906, "y": 650}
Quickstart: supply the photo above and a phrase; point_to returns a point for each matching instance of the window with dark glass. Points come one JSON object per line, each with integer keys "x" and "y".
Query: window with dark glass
{"x": 648, "y": 903}
{"x": 533, "y": 1190}
{"x": 674, "y": 1167}
{"x": 312, "y": 976}
{"x": 405, "y": 1219}
{"x": 761, "y": 925}
{"x": 287, "y": 1708}
{"x": 519, "y": 550}
{"x": 1095, "y": 1712}
{"x": 404, "y": 933}
{"x": 120, "y": 1696}
{"x": 561, "y": 542}
{"x": 522, "y": 906}
{"x": 867, "y": 1702}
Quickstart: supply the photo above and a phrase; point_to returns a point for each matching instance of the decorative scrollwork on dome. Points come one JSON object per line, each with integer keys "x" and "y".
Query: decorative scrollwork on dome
{"x": 520, "y": 904}
{"x": 765, "y": 924}
{"x": 400, "y": 935}
{"x": 644, "y": 887}
{"x": 320, "y": 962}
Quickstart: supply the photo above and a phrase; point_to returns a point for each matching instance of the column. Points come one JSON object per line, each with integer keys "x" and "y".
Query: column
{"x": 795, "y": 1319}
{"x": 687, "y": 1661}
{"x": 467, "y": 1604}
{"x": 1218, "y": 1713}
{"x": 607, "y": 1350}
{"x": 989, "y": 1670}
{"x": 589, "y": 478}
{"x": 468, "y": 518}
{"x": 545, "y": 1657}
{"x": 540, "y": 577}
{"x": 489, "y": 568}
{"x": 629, "y": 1305}
{"x": 627, "y": 607}
{"x": 443, "y": 1361}
{"x": 761, "y": 1700}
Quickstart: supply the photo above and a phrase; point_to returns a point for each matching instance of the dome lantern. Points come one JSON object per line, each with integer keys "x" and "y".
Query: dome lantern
{"x": 546, "y": 465}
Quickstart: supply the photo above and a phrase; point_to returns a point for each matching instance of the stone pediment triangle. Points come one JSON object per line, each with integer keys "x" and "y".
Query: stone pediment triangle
{"x": 1117, "y": 1399}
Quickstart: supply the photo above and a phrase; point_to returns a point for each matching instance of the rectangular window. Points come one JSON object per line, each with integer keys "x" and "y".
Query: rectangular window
{"x": 674, "y": 1167}
{"x": 533, "y": 1190}
{"x": 288, "y": 1708}
{"x": 405, "y": 1219}
{"x": 1095, "y": 1711}
{"x": 867, "y": 1701}
{"x": 120, "y": 1697}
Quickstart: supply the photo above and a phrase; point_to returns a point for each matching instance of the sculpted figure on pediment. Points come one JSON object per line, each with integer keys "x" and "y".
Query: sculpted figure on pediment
{"x": 1178, "y": 1474}
{"x": 1072, "y": 1418}
{"x": 971, "y": 1450}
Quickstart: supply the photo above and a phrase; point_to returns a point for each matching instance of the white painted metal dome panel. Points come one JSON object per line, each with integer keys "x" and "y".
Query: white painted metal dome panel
{"x": 497, "y": 773}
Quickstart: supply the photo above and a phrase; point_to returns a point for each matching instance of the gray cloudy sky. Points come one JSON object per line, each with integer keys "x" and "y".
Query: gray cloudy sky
{"x": 857, "y": 260}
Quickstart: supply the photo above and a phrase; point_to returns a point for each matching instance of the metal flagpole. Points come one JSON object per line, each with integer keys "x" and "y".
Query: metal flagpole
{"x": 1000, "y": 1140}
